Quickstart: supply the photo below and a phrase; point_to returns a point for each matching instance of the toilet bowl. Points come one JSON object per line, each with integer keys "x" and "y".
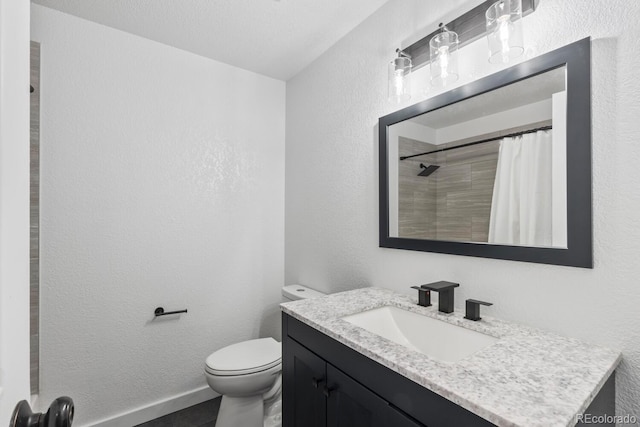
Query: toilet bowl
{"x": 248, "y": 376}
{"x": 242, "y": 373}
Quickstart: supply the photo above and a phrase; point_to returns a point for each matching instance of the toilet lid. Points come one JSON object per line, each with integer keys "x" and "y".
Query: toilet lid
{"x": 245, "y": 357}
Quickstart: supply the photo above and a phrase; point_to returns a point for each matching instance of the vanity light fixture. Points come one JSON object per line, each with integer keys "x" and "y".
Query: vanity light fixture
{"x": 444, "y": 57}
{"x": 504, "y": 31}
{"x": 473, "y": 25}
{"x": 399, "y": 70}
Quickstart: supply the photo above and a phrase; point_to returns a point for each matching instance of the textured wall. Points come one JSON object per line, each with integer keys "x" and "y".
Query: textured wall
{"x": 162, "y": 185}
{"x": 14, "y": 205}
{"x": 332, "y": 213}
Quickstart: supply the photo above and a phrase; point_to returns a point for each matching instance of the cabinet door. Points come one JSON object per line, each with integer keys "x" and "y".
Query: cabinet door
{"x": 304, "y": 376}
{"x": 350, "y": 404}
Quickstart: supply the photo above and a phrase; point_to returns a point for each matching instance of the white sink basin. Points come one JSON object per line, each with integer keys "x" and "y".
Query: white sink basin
{"x": 437, "y": 339}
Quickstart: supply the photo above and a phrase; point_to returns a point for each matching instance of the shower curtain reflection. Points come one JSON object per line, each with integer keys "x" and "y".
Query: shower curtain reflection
{"x": 521, "y": 207}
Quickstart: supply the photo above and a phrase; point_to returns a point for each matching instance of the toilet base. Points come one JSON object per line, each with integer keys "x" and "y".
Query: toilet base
{"x": 241, "y": 412}
{"x": 273, "y": 413}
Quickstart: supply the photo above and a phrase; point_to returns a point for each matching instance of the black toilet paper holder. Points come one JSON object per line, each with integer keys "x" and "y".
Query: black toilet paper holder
{"x": 160, "y": 312}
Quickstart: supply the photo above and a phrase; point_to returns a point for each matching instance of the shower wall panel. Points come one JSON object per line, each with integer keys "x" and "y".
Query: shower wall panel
{"x": 454, "y": 203}
{"x": 34, "y": 221}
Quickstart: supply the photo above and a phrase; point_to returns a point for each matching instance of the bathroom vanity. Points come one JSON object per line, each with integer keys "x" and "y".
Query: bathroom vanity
{"x": 336, "y": 373}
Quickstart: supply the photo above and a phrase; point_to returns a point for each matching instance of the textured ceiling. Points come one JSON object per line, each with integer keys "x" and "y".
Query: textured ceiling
{"x": 277, "y": 38}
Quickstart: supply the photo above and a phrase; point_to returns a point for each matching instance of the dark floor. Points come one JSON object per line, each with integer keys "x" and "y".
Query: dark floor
{"x": 202, "y": 415}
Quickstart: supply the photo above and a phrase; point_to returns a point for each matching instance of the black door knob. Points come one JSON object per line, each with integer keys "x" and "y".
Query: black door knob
{"x": 327, "y": 390}
{"x": 315, "y": 382}
{"x": 59, "y": 414}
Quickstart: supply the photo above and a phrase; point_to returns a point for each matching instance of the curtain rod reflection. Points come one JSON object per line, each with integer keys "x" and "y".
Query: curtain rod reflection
{"x": 469, "y": 144}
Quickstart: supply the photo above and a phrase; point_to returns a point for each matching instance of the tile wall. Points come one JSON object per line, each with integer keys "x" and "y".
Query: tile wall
{"x": 453, "y": 203}
{"x": 34, "y": 215}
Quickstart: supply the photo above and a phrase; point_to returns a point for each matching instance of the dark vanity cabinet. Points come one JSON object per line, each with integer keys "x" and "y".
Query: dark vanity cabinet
{"x": 351, "y": 404}
{"x": 322, "y": 395}
{"x": 325, "y": 383}
{"x": 304, "y": 377}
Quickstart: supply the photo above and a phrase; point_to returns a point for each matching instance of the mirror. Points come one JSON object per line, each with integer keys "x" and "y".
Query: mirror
{"x": 483, "y": 170}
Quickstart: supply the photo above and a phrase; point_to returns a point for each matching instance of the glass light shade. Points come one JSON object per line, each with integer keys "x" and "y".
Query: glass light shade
{"x": 444, "y": 58}
{"x": 399, "y": 87}
{"x": 504, "y": 31}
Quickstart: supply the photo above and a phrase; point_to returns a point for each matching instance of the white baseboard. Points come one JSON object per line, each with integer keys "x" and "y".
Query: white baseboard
{"x": 156, "y": 409}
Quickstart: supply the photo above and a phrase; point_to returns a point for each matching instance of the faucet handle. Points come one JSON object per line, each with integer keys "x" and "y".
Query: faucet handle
{"x": 424, "y": 296}
{"x": 473, "y": 309}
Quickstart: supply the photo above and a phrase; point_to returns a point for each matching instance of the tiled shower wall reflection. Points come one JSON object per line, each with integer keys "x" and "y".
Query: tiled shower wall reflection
{"x": 453, "y": 203}
{"x": 416, "y": 194}
{"x": 34, "y": 213}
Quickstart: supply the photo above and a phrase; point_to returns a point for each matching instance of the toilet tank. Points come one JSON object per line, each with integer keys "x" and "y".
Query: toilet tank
{"x": 296, "y": 292}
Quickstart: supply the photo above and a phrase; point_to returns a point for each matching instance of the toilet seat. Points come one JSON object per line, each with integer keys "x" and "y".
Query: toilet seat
{"x": 249, "y": 371}
{"x": 244, "y": 358}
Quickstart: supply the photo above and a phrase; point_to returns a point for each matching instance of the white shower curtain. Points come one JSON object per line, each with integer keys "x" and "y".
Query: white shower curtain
{"x": 521, "y": 204}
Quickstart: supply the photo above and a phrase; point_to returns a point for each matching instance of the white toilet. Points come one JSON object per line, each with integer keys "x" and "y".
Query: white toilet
{"x": 248, "y": 376}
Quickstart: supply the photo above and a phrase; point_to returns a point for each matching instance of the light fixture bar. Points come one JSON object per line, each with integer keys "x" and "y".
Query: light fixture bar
{"x": 470, "y": 27}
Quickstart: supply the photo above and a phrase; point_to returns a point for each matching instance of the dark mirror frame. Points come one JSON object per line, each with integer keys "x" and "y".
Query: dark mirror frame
{"x": 577, "y": 59}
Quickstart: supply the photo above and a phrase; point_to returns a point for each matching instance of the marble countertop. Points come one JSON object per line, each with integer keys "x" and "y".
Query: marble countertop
{"x": 527, "y": 378}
